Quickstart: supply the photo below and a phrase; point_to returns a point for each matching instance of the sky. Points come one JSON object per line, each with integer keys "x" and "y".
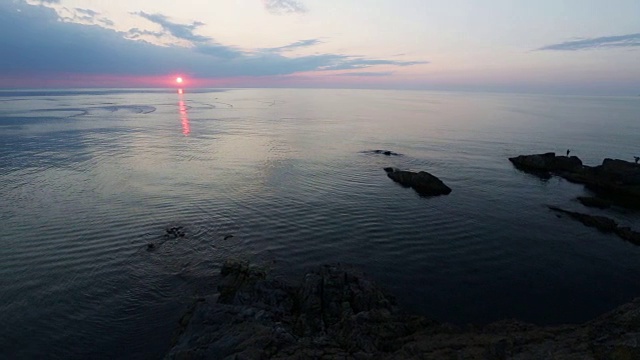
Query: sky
{"x": 544, "y": 46}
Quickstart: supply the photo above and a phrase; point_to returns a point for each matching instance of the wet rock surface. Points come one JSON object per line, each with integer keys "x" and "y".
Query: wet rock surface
{"x": 422, "y": 182}
{"x": 334, "y": 312}
{"x": 614, "y": 178}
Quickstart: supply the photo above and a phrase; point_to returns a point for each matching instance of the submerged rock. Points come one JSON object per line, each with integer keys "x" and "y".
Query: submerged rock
{"x": 383, "y": 152}
{"x": 594, "y": 202}
{"x": 603, "y": 224}
{"x": 175, "y": 232}
{"x": 422, "y": 182}
{"x": 627, "y": 234}
{"x": 599, "y": 222}
{"x": 334, "y": 312}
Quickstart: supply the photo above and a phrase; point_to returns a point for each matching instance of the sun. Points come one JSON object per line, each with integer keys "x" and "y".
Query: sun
{"x": 179, "y": 80}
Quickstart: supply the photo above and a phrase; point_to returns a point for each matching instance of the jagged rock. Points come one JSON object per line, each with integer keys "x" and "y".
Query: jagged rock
{"x": 595, "y": 202}
{"x": 422, "y": 182}
{"x": 336, "y": 313}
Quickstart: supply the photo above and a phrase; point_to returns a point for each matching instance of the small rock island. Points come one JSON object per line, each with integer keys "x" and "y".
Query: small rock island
{"x": 422, "y": 182}
{"x": 382, "y": 152}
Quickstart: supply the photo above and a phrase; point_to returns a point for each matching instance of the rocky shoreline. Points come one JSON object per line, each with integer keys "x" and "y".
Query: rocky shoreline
{"x": 335, "y": 312}
{"x": 615, "y": 180}
{"x": 615, "y": 183}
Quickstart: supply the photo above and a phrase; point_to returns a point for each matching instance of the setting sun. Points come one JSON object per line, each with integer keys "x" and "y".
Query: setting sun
{"x": 179, "y": 80}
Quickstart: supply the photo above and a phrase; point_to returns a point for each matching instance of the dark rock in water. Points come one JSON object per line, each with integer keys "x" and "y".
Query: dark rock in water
{"x": 227, "y": 237}
{"x": 336, "y": 313}
{"x": 151, "y": 246}
{"x": 545, "y": 164}
{"x": 599, "y": 222}
{"x": 618, "y": 171}
{"x": 617, "y": 179}
{"x": 175, "y": 232}
{"x": 537, "y": 162}
{"x": 384, "y": 152}
{"x": 567, "y": 164}
{"x": 594, "y": 202}
{"x": 603, "y": 224}
{"x": 627, "y": 234}
{"x": 422, "y": 182}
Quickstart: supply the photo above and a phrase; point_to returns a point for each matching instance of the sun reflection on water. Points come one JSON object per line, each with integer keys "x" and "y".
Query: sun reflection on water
{"x": 184, "y": 116}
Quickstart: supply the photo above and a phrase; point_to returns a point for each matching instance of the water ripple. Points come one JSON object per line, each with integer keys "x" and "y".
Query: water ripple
{"x": 284, "y": 173}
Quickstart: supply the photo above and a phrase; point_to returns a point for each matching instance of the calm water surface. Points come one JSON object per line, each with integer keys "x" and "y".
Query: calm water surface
{"x": 88, "y": 178}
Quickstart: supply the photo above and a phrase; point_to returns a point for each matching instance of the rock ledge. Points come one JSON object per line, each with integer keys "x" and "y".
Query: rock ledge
{"x": 336, "y": 313}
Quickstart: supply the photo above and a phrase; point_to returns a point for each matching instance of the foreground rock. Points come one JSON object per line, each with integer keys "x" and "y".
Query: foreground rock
{"x": 333, "y": 313}
{"x": 336, "y": 313}
{"x": 618, "y": 180}
{"x": 422, "y": 182}
{"x": 603, "y": 224}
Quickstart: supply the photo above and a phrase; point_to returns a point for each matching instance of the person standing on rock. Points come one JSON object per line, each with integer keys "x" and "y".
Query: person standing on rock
{"x": 568, "y": 151}
{"x": 636, "y": 158}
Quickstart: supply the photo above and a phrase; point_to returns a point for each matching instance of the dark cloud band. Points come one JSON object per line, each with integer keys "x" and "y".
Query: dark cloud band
{"x": 38, "y": 43}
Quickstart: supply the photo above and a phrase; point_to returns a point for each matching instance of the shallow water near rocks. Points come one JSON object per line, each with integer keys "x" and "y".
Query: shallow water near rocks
{"x": 89, "y": 178}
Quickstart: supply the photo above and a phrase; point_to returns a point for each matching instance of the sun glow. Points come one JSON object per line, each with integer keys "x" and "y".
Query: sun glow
{"x": 179, "y": 80}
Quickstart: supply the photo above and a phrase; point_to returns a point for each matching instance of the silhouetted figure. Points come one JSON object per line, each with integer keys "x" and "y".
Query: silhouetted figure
{"x": 568, "y": 151}
{"x": 637, "y": 158}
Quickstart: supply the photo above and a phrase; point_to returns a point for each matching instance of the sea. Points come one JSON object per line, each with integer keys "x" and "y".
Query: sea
{"x": 90, "y": 179}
